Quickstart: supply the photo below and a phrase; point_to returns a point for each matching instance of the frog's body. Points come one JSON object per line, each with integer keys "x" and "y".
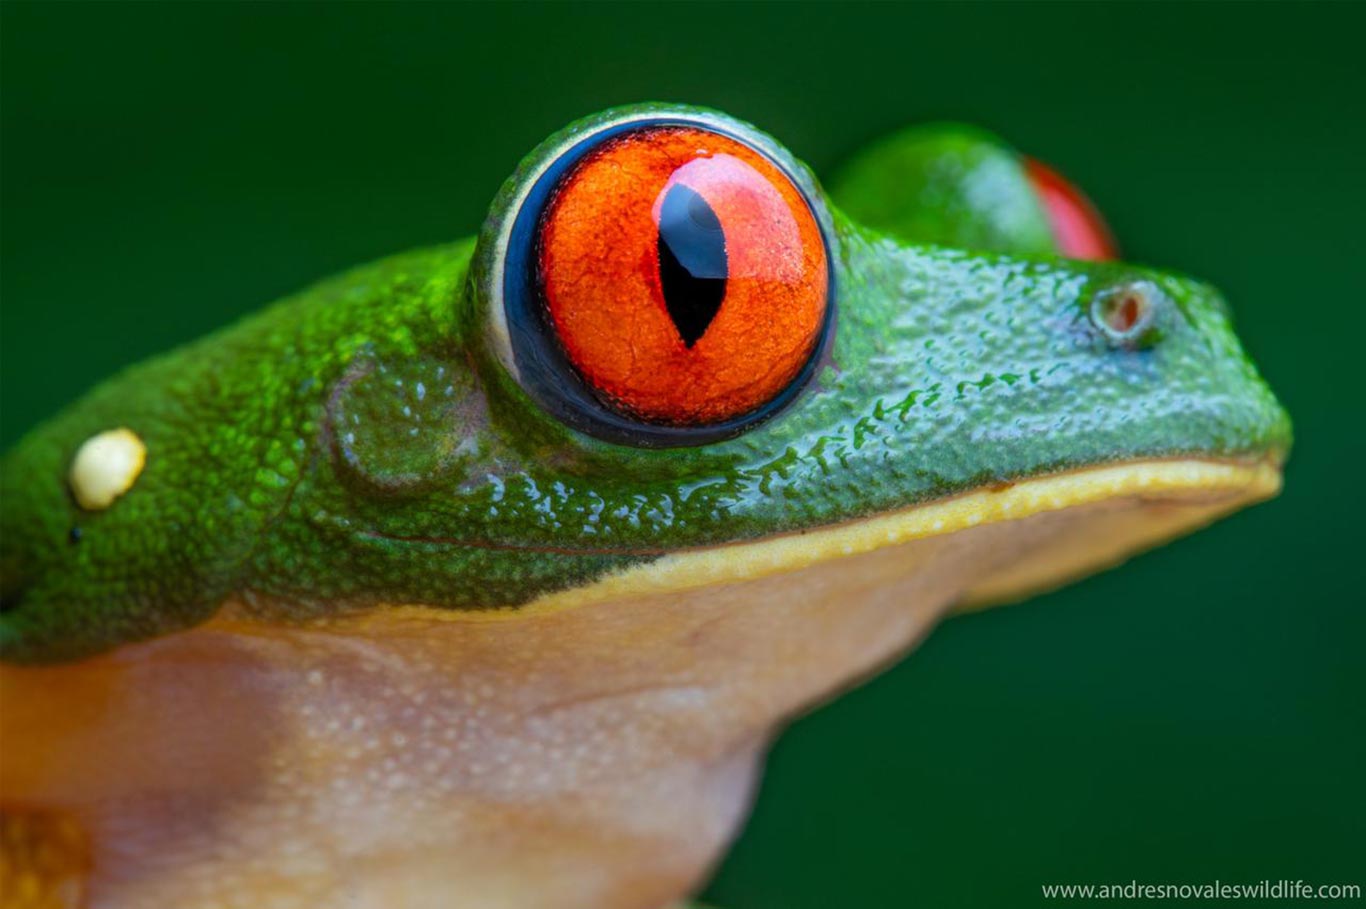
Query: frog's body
{"x": 372, "y": 627}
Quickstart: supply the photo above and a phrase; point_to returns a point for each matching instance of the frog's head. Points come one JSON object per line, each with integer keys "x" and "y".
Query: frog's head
{"x": 671, "y": 361}
{"x": 543, "y": 534}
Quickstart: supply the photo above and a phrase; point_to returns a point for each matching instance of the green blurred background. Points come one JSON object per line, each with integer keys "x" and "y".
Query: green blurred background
{"x": 1197, "y": 714}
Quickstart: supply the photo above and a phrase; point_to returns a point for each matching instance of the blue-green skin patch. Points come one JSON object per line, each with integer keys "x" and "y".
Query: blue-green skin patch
{"x": 360, "y": 443}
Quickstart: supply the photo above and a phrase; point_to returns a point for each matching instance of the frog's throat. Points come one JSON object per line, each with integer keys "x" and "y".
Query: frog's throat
{"x": 1124, "y": 508}
{"x": 559, "y": 756}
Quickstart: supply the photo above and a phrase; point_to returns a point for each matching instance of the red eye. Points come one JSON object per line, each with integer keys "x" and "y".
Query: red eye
{"x": 1078, "y": 228}
{"x": 682, "y": 274}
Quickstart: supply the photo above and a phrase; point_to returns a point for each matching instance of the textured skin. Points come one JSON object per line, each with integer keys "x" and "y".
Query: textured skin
{"x": 283, "y": 466}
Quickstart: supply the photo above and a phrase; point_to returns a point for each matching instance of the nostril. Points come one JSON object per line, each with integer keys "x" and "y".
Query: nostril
{"x": 1127, "y": 314}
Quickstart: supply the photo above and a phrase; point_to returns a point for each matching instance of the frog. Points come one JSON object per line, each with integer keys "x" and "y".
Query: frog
{"x": 485, "y": 574}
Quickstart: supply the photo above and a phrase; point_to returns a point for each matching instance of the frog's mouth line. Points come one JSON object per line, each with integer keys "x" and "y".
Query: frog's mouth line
{"x": 1120, "y": 509}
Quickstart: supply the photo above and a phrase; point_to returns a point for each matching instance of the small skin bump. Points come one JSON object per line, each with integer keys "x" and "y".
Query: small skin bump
{"x": 106, "y": 467}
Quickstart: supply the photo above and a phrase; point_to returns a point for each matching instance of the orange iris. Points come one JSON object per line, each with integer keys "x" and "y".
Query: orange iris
{"x": 684, "y": 274}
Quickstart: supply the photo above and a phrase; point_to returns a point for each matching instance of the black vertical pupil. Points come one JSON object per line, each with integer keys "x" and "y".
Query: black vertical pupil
{"x": 692, "y": 261}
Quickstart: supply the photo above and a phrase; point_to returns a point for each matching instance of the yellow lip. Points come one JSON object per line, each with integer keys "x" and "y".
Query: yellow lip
{"x": 1111, "y": 512}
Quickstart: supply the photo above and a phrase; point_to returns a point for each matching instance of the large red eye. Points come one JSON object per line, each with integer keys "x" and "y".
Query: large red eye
{"x": 682, "y": 274}
{"x": 1078, "y": 228}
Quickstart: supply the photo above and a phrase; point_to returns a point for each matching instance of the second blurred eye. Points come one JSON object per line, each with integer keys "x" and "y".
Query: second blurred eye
{"x": 1078, "y": 228}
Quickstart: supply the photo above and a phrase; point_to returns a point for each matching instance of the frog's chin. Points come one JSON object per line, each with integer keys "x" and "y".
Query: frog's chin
{"x": 1120, "y": 511}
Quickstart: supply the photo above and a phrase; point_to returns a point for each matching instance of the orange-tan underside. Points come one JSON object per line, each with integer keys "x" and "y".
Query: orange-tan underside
{"x": 594, "y": 749}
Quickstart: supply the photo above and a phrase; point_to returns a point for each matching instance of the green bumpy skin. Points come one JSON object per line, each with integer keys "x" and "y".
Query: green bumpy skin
{"x": 360, "y": 444}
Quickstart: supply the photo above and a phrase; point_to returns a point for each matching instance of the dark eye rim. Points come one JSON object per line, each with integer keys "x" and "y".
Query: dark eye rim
{"x": 543, "y": 368}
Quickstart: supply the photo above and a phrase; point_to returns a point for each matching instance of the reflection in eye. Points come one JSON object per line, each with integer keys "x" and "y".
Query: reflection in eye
{"x": 692, "y": 261}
